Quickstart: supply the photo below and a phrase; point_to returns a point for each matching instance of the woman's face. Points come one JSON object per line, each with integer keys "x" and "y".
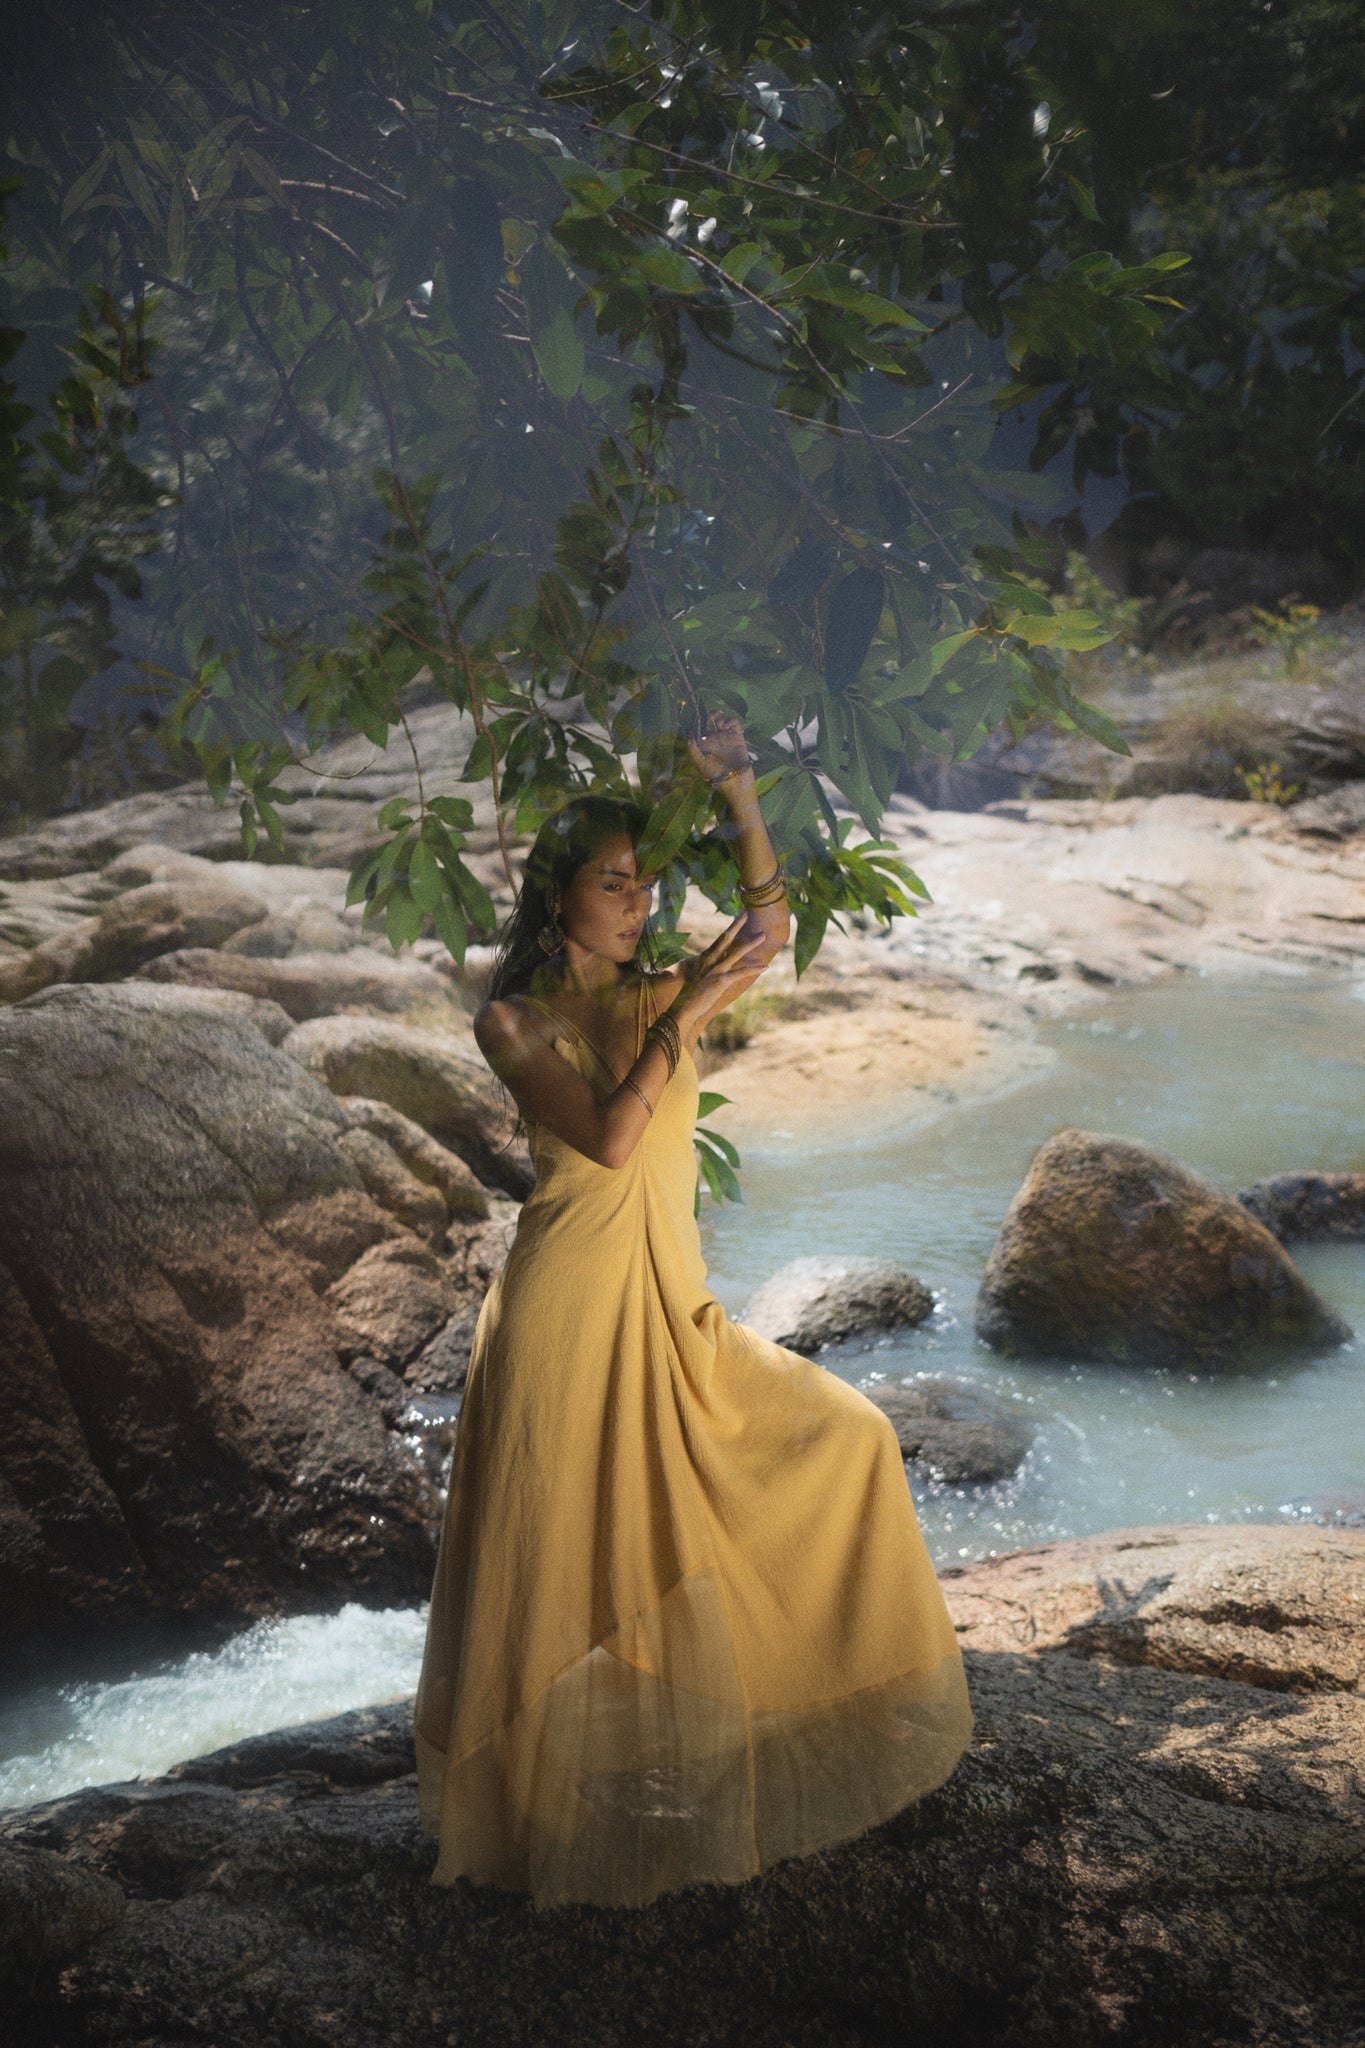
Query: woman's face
{"x": 603, "y": 909}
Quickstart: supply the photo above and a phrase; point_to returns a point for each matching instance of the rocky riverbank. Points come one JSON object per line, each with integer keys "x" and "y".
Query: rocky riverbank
{"x": 1156, "y": 1836}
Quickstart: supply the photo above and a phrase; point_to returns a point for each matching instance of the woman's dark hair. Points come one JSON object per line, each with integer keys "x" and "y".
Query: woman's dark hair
{"x": 567, "y": 839}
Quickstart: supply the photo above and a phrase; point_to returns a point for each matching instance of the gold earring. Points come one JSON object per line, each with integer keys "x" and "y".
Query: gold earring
{"x": 551, "y": 939}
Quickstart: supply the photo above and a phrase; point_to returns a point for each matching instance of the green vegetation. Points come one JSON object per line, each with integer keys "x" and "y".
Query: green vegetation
{"x": 597, "y": 367}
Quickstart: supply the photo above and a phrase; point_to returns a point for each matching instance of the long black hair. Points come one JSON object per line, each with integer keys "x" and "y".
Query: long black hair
{"x": 568, "y": 838}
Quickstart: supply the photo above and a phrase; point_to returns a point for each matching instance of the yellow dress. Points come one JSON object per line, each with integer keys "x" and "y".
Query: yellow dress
{"x": 683, "y": 1621}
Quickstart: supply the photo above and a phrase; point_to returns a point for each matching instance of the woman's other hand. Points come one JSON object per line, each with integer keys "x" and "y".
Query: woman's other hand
{"x": 721, "y": 751}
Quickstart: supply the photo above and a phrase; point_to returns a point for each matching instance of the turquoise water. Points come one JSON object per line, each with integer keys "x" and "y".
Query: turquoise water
{"x": 1238, "y": 1082}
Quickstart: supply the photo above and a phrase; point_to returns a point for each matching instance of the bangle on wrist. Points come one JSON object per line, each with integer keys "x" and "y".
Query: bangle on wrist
{"x": 756, "y": 895}
{"x": 664, "y": 1033}
{"x": 728, "y": 776}
{"x": 628, "y": 1083}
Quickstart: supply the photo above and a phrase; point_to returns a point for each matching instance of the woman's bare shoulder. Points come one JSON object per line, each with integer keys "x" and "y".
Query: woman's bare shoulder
{"x": 501, "y": 1027}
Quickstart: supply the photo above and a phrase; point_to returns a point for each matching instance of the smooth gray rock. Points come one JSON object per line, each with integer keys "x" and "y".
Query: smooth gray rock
{"x": 818, "y": 1301}
{"x": 1339, "y": 814}
{"x": 1113, "y": 1251}
{"x": 132, "y": 928}
{"x": 1156, "y": 1838}
{"x": 1308, "y": 1205}
{"x": 954, "y": 1432}
{"x": 435, "y": 1078}
{"x": 316, "y": 984}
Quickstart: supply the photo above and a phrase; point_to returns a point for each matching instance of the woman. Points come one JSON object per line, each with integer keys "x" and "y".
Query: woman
{"x": 683, "y": 1621}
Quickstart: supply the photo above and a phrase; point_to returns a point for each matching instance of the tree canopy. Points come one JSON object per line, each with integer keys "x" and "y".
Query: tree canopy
{"x": 599, "y": 364}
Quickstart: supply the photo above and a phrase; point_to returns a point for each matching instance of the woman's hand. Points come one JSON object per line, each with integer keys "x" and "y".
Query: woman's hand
{"x": 716, "y": 975}
{"x": 721, "y": 751}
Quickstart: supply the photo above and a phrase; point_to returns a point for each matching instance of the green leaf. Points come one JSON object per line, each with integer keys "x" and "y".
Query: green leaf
{"x": 709, "y": 1101}
{"x": 1084, "y": 197}
{"x": 1099, "y": 726}
{"x": 739, "y": 261}
{"x": 549, "y": 294}
{"x": 918, "y": 675}
{"x": 425, "y": 879}
{"x": 403, "y": 918}
{"x": 479, "y": 761}
{"x": 396, "y": 812}
{"x": 361, "y": 876}
{"x": 671, "y": 823}
{"x": 450, "y": 927}
{"x": 1077, "y": 630}
{"x": 455, "y": 811}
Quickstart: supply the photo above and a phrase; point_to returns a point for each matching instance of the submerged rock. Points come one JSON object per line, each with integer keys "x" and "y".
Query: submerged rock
{"x": 954, "y": 1432}
{"x": 1154, "y": 1838}
{"x": 1308, "y": 1205}
{"x": 818, "y": 1301}
{"x": 1112, "y": 1251}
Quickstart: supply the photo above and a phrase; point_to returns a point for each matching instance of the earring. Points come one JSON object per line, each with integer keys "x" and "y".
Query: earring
{"x": 551, "y": 939}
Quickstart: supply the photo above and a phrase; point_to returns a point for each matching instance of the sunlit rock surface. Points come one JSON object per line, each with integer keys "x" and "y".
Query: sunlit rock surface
{"x": 1113, "y": 1251}
{"x": 1156, "y": 1837}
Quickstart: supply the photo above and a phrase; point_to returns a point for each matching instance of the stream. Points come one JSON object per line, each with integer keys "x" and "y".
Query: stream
{"x": 1239, "y": 1081}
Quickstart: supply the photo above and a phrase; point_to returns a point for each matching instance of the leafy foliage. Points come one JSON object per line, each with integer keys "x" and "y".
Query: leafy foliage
{"x": 673, "y": 346}
{"x": 77, "y": 518}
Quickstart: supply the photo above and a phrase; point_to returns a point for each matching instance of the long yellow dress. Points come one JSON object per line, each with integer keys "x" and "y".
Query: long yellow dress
{"x": 683, "y": 1621}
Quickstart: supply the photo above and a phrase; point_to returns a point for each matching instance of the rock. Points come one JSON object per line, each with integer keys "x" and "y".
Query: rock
{"x": 181, "y": 1437}
{"x": 151, "y": 862}
{"x": 1112, "y": 1251}
{"x": 382, "y": 1385}
{"x": 158, "y": 917}
{"x": 315, "y": 984}
{"x": 818, "y": 1301}
{"x": 332, "y": 823}
{"x": 955, "y": 1433}
{"x": 1337, "y": 815}
{"x": 1155, "y": 1838}
{"x": 50, "y": 1909}
{"x": 314, "y": 928}
{"x": 169, "y": 1001}
{"x": 442, "y": 1366}
{"x": 1308, "y": 1205}
{"x": 436, "y": 1080}
{"x": 461, "y": 1192}
{"x": 417, "y": 1206}
{"x": 391, "y": 1302}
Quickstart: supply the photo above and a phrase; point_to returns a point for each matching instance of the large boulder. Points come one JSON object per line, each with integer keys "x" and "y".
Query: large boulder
{"x": 462, "y": 1193}
{"x": 955, "y": 1433}
{"x": 133, "y": 927}
{"x": 1156, "y": 1837}
{"x": 1112, "y": 1251}
{"x": 1308, "y": 1205}
{"x": 316, "y": 984}
{"x": 818, "y": 1301}
{"x": 392, "y": 1302}
{"x": 436, "y": 1079}
{"x": 181, "y": 1436}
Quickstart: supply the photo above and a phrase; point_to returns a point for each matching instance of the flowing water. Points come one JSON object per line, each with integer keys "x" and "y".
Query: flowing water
{"x": 1237, "y": 1081}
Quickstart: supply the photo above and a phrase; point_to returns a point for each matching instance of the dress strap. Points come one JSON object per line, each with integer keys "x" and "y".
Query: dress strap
{"x": 535, "y": 1003}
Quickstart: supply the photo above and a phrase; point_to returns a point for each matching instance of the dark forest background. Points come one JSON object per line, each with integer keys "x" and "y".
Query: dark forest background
{"x": 599, "y": 362}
